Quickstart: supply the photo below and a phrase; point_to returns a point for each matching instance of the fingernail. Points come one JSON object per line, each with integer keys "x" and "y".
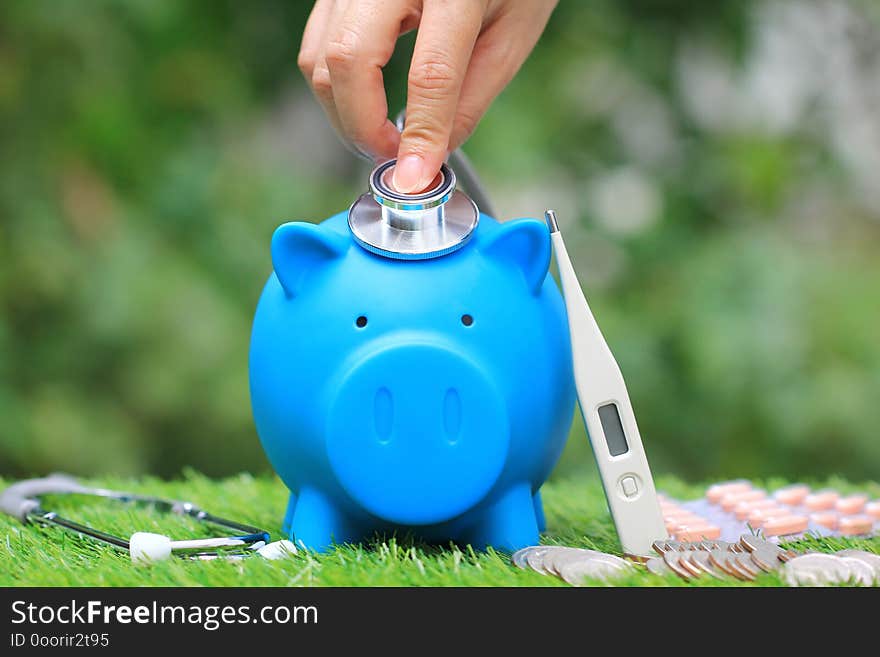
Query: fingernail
{"x": 408, "y": 174}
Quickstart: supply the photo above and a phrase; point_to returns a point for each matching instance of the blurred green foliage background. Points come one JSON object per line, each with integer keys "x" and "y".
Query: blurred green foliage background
{"x": 716, "y": 166}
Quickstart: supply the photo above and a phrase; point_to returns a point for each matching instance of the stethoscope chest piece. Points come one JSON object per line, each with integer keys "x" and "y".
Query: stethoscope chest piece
{"x": 430, "y": 224}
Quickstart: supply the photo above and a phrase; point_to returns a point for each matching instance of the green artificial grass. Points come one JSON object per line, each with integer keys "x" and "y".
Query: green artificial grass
{"x": 576, "y": 516}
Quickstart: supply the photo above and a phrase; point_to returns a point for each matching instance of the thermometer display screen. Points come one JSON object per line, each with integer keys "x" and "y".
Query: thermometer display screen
{"x": 612, "y": 427}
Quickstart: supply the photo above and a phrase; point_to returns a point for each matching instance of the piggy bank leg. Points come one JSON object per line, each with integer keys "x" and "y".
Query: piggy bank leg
{"x": 539, "y": 511}
{"x": 287, "y": 525}
{"x": 318, "y": 523}
{"x": 509, "y": 524}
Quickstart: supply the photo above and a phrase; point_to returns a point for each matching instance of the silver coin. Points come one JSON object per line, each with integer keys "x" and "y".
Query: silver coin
{"x": 860, "y": 573}
{"x": 519, "y": 557}
{"x": 686, "y": 561}
{"x": 554, "y": 560}
{"x": 657, "y": 566}
{"x": 575, "y": 572}
{"x": 673, "y": 561}
{"x": 703, "y": 562}
{"x": 869, "y": 558}
{"x": 725, "y": 561}
{"x": 815, "y": 570}
{"x": 753, "y": 543}
{"x": 766, "y": 559}
{"x": 535, "y": 558}
{"x": 747, "y": 566}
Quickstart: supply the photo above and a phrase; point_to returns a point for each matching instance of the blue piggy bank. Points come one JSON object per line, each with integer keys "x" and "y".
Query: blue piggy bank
{"x": 429, "y": 397}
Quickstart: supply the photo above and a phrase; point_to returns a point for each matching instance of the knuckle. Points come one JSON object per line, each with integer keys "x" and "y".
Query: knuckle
{"x": 465, "y": 124}
{"x": 342, "y": 50}
{"x": 306, "y": 63}
{"x": 432, "y": 77}
{"x": 321, "y": 82}
{"x": 420, "y": 137}
{"x": 361, "y": 135}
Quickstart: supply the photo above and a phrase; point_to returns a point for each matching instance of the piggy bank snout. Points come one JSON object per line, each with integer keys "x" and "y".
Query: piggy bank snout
{"x": 417, "y": 434}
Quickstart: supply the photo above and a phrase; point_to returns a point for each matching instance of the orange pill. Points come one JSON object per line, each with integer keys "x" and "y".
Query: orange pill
{"x": 792, "y": 495}
{"x": 855, "y": 525}
{"x": 873, "y": 509}
{"x": 743, "y": 509}
{"x": 827, "y": 519}
{"x": 681, "y": 514}
{"x": 703, "y": 532}
{"x": 729, "y": 501}
{"x": 758, "y": 517}
{"x": 717, "y": 491}
{"x": 785, "y": 525}
{"x": 821, "y": 501}
{"x": 851, "y": 504}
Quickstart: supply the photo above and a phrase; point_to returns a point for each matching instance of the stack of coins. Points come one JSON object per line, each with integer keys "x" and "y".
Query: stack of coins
{"x": 752, "y": 555}
{"x": 744, "y": 559}
{"x": 576, "y": 566}
{"x": 854, "y": 567}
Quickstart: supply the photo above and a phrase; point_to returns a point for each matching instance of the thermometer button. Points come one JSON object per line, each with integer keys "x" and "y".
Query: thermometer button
{"x": 629, "y": 486}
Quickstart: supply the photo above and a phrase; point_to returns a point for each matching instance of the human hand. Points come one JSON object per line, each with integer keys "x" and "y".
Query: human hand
{"x": 466, "y": 52}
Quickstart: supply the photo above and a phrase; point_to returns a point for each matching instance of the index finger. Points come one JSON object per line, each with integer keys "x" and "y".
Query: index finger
{"x": 446, "y": 37}
{"x": 358, "y": 49}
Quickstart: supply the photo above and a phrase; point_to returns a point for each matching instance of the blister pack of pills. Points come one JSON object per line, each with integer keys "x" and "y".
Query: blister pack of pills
{"x": 732, "y": 508}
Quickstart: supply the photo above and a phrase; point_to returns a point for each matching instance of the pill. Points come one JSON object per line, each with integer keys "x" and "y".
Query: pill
{"x": 696, "y": 521}
{"x": 827, "y": 519}
{"x": 821, "y": 501}
{"x": 700, "y": 532}
{"x": 758, "y": 517}
{"x": 717, "y": 491}
{"x": 680, "y": 515}
{"x": 743, "y": 509}
{"x": 873, "y": 509}
{"x": 855, "y": 525}
{"x": 792, "y": 495}
{"x": 785, "y": 525}
{"x": 729, "y": 501}
{"x": 851, "y": 504}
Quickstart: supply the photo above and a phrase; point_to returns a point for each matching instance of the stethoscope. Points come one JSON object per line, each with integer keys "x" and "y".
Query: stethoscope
{"x": 22, "y": 501}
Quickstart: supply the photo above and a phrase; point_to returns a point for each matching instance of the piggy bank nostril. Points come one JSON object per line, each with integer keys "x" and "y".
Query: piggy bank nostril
{"x": 383, "y": 414}
{"x": 452, "y": 415}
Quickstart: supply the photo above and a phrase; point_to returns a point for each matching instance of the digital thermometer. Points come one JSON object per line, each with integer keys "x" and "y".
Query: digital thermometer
{"x": 609, "y": 418}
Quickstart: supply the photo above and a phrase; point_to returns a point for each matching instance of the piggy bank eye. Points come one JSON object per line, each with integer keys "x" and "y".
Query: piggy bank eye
{"x": 361, "y": 321}
{"x": 467, "y": 320}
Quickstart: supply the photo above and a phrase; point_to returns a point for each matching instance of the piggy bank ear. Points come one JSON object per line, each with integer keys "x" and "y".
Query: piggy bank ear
{"x": 298, "y": 248}
{"x": 524, "y": 244}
